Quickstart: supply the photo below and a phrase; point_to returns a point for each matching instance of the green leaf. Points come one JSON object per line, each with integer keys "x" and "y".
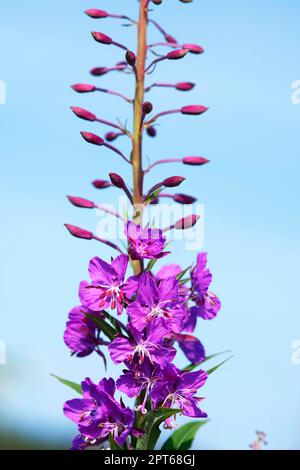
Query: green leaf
{"x": 191, "y": 367}
{"x": 68, "y": 383}
{"x": 151, "y": 428}
{"x": 182, "y": 438}
{"x": 213, "y": 369}
{"x": 180, "y": 275}
{"x": 107, "y": 329}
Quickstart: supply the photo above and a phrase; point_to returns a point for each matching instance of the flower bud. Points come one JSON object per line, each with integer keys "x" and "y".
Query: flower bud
{"x": 79, "y": 232}
{"x": 80, "y": 202}
{"x": 101, "y": 184}
{"x": 147, "y": 107}
{"x": 186, "y": 1}
{"x": 184, "y": 199}
{"x": 102, "y": 38}
{"x": 187, "y": 222}
{"x": 173, "y": 181}
{"x": 170, "y": 39}
{"x": 193, "y": 109}
{"x": 83, "y": 114}
{"x": 98, "y": 71}
{"x": 195, "y": 160}
{"x": 95, "y": 13}
{"x": 111, "y": 136}
{"x": 177, "y": 54}
{"x": 83, "y": 88}
{"x": 130, "y": 58}
{"x": 194, "y": 48}
{"x": 151, "y": 131}
{"x": 184, "y": 86}
{"x": 157, "y": 2}
{"x": 92, "y": 138}
{"x": 117, "y": 180}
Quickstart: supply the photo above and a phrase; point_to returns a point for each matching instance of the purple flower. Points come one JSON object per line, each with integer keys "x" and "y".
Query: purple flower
{"x": 173, "y": 270}
{"x": 147, "y": 243}
{"x": 98, "y": 415}
{"x": 208, "y": 304}
{"x": 178, "y": 389}
{"x": 192, "y": 348}
{"x": 158, "y": 300}
{"x": 137, "y": 377}
{"x": 142, "y": 345}
{"x": 81, "y": 334}
{"x": 106, "y": 289}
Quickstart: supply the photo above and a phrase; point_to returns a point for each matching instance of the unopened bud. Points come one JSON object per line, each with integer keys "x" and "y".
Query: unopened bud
{"x": 130, "y": 58}
{"x": 111, "y": 136}
{"x": 178, "y": 54}
{"x": 117, "y": 180}
{"x": 194, "y": 48}
{"x": 193, "y": 109}
{"x": 184, "y": 86}
{"x": 83, "y": 88}
{"x": 187, "y": 222}
{"x": 184, "y": 199}
{"x": 81, "y": 202}
{"x": 147, "y": 107}
{"x": 95, "y": 13}
{"x": 170, "y": 39}
{"x": 157, "y": 2}
{"x": 151, "y": 131}
{"x": 102, "y": 38}
{"x": 173, "y": 181}
{"x": 186, "y": 1}
{"x": 79, "y": 232}
{"x": 101, "y": 184}
{"x": 92, "y": 138}
{"x": 195, "y": 160}
{"x": 83, "y": 114}
{"x": 98, "y": 71}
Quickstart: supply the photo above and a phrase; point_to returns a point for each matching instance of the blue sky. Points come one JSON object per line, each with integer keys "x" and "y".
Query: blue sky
{"x": 250, "y": 192}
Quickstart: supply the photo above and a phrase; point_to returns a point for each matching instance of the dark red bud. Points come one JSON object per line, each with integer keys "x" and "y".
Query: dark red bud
{"x": 95, "y": 13}
{"x": 130, "y": 58}
{"x": 147, "y": 107}
{"x": 102, "y": 38}
{"x": 178, "y": 54}
{"x": 83, "y": 114}
{"x": 81, "y": 202}
{"x": 98, "y": 71}
{"x": 92, "y": 138}
{"x": 154, "y": 201}
{"x": 117, "y": 180}
{"x": 170, "y": 39}
{"x": 184, "y": 86}
{"x": 173, "y": 181}
{"x": 79, "y": 232}
{"x": 186, "y": 1}
{"x": 187, "y": 222}
{"x": 194, "y": 48}
{"x": 83, "y": 88}
{"x": 151, "y": 131}
{"x": 194, "y": 109}
{"x": 157, "y": 2}
{"x": 195, "y": 160}
{"x": 101, "y": 184}
{"x": 184, "y": 199}
{"x": 111, "y": 136}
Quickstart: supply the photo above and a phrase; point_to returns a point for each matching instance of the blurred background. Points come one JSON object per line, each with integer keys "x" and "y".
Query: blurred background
{"x": 250, "y": 191}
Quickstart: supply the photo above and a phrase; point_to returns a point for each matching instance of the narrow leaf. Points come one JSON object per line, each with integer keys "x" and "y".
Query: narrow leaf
{"x": 191, "y": 367}
{"x": 107, "y": 329}
{"x": 213, "y": 369}
{"x": 151, "y": 428}
{"x": 182, "y": 438}
{"x": 68, "y": 383}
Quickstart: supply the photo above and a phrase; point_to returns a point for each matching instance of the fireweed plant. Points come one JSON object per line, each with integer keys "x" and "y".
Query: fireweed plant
{"x": 129, "y": 310}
